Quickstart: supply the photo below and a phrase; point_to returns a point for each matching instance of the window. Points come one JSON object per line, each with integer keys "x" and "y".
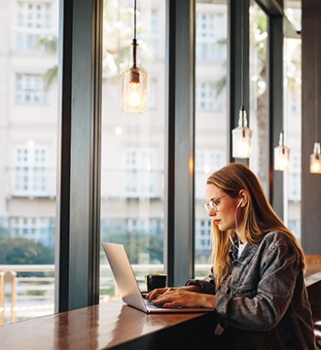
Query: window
{"x": 258, "y": 115}
{"x": 203, "y": 247}
{"x": 156, "y": 39}
{"x": 207, "y": 98}
{"x": 33, "y": 21}
{"x": 294, "y": 189}
{"x": 140, "y": 179}
{"x": 39, "y": 230}
{"x": 33, "y": 14}
{"x": 292, "y": 129}
{"x": 30, "y": 89}
{"x": 211, "y": 112}
{"x": 28, "y": 127}
{"x": 206, "y": 163}
{"x": 27, "y": 42}
{"x": 133, "y": 146}
{"x": 30, "y": 171}
{"x": 210, "y": 33}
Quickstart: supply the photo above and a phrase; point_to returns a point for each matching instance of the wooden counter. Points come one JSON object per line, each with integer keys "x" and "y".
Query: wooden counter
{"x": 313, "y": 264}
{"x": 106, "y": 326}
{"x": 117, "y": 326}
{"x": 313, "y": 283}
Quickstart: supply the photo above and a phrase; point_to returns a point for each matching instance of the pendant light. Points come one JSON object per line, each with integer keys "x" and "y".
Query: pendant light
{"x": 315, "y": 157}
{"x": 242, "y": 135}
{"x": 134, "y": 80}
{"x": 281, "y": 155}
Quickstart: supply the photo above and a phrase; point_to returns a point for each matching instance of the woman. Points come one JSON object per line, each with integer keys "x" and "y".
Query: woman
{"x": 256, "y": 287}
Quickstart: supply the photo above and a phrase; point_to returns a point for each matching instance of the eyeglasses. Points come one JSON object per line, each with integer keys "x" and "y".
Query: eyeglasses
{"x": 213, "y": 204}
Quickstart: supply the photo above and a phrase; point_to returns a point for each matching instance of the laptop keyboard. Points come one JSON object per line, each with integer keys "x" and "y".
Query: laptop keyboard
{"x": 150, "y": 305}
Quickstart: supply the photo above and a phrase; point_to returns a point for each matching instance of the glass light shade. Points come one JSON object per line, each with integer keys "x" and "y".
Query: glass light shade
{"x": 241, "y": 137}
{"x": 281, "y": 158}
{"x": 134, "y": 90}
{"x": 281, "y": 155}
{"x": 134, "y": 84}
{"x": 315, "y": 159}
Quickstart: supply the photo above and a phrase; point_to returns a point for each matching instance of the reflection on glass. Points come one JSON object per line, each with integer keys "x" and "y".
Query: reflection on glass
{"x": 132, "y": 169}
{"x": 211, "y": 114}
{"x": 28, "y": 143}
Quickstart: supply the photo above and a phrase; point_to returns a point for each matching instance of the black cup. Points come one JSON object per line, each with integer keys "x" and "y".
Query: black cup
{"x": 154, "y": 281}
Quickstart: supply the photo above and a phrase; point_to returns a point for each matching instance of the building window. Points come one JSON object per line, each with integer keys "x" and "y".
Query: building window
{"x": 33, "y": 21}
{"x": 203, "y": 239}
{"x": 207, "y": 98}
{"x": 206, "y": 163}
{"x": 210, "y": 31}
{"x": 155, "y": 33}
{"x": 295, "y": 178}
{"x": 33, "y": 14}
{"x": 141, "y": 179}
{"x": 39, "y": 230}
{"x": 30, "y": 176}
{"x": 27, "y": 41}
{"x": 30, "y": 89}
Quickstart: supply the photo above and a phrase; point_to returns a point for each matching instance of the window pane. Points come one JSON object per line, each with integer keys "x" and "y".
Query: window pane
{"x": 28, "y": 141}
{"x": 132, "y": 175}
{"x": 211, "y": 114}
{"x": 258, "y": 118}
{"x": 292, "y": 128}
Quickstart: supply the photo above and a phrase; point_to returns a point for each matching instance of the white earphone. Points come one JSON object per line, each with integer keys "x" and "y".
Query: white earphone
{"x": 239, "y": 203}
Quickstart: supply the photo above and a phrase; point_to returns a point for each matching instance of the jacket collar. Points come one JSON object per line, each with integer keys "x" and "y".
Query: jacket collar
{"x": 247, "y": 254}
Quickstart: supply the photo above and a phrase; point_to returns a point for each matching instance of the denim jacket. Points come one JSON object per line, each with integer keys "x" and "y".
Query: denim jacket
{"x": 263, "y": 303}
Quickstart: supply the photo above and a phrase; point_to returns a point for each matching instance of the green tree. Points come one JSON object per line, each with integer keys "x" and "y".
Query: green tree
{"x": 137, "y": 243}
{"x": 24, "y": 251}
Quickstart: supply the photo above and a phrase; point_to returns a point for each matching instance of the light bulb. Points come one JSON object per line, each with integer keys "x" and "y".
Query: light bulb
{"x": 282, "y": 163}
{"x": 133, "y": 95}
{"x": 315, "y": 166}
{"x": 315, "y": 159}
{"x": 243, "y": 148}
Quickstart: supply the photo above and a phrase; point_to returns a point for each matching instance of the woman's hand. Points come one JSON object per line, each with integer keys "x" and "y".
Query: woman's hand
{"x": 159, "y": 291}
{"x": 184, "y": 296}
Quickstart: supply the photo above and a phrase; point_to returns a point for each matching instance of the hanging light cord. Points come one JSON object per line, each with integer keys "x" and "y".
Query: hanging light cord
{"x": 316, "y": 73}
{"x": 134, "y": 38}
{"x": 242, "y": 53}
{"x": 134, "y": 19}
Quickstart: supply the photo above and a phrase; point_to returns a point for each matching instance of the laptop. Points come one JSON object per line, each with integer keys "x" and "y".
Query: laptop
{"x": 128, "y": 286}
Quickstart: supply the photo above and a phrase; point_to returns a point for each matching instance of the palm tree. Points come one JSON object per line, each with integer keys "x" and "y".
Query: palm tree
{"x": 49, "y": 44}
